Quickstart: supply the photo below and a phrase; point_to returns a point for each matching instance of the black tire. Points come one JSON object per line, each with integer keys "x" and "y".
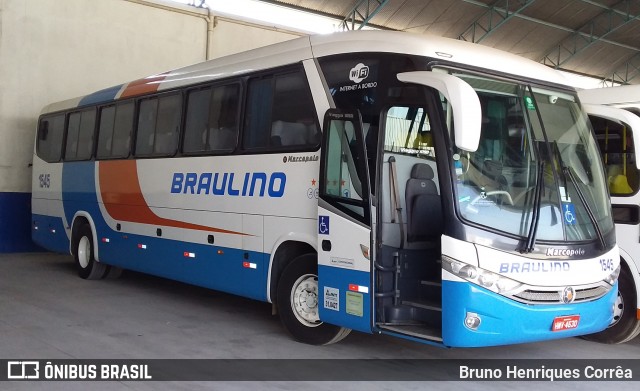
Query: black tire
{"x": 625, "y": 325}
{"x": 302, "y": 275}
{"x": 113, "y": 272}
{"x": 86, "y": 263}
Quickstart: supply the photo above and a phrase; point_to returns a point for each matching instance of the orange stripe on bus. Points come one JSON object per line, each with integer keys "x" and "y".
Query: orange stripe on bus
{"x": 142, "y": 86}
{"x": 638, "y": 313}
{"x": 123, "y": 200}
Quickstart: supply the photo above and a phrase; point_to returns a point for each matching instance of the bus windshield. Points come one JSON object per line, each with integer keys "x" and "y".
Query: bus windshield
{"x": 536, "y": 171}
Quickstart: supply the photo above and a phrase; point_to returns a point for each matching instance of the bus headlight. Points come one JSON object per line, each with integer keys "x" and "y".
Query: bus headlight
{"x": 486, "y": 279}
{"x": 613, "y": 277}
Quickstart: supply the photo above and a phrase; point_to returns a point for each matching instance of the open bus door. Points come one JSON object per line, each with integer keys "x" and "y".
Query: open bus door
{"x": 345, "y": 220}
{"x": 347, "y": 213}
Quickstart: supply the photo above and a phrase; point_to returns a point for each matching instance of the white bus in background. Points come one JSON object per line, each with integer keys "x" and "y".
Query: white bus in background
{"x": 615, "y": 116}
{"x": 384, "y": 182}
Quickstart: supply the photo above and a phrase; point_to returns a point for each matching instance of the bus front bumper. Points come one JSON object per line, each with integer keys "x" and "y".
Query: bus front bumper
{"x": 504, "y": 321}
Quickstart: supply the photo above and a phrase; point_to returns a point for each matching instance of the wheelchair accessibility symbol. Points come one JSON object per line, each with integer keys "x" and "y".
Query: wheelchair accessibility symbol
{"x": 569, "y": 212}
{"x": 323, "y": 225}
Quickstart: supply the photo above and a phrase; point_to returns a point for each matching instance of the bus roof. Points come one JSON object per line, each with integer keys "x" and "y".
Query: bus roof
{"x": 621, "y": 96}
{"x": 303, "y": 48}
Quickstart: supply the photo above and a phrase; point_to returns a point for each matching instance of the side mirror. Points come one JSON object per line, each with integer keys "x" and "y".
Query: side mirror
{"x": 465, "y": 104}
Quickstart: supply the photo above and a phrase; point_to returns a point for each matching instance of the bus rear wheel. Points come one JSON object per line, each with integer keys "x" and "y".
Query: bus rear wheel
{"x": 625, "y": 325}
{"x": 86, "y": 264}
{"x": 297, "y": 300}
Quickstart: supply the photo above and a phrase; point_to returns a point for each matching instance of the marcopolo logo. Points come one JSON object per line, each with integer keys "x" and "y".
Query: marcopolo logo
{"x": 564, "y": 252}
{"x": 359, "y": 73}
{"x": 300, "y": 159}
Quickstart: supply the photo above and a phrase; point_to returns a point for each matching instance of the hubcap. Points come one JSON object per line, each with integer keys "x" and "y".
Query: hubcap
{"x": 618, "y": 309}
{"x": 304, "y": 300}
{"x": 84, "y": 252}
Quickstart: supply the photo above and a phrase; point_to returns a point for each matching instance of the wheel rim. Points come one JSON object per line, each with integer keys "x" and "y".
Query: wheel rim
{"x": 84, "y": 252}
{"x": 304, "y": 300}
{"x": 618, "y": 310}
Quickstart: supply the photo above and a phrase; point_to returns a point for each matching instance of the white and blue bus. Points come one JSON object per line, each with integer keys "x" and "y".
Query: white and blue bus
{"x": 615, "y": 116}
{"x": 384, "y": 182}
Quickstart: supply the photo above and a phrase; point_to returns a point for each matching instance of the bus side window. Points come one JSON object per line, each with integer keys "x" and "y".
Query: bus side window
{"x": 280, "y": 113}
{"x": 73, "y": 130}
{"x": 159, "y": 125}
{"x": 105, "y": 132}
{"x": 196, "y": 128}
{"x": 80, "y": 131}
{"x": 223, "y": 133}
{"x": 258, "y": 115}
{"x": 293, "y": 112}
{"x": 50, "y": 132}
{"x": 212, "y": 120}
{"x": 86, "y": 134}
{"x": 122, "y": 130}
{"x": 616, "y": 146}
{"x": 167, "y": 124}
{"x": 114, "y": 133}
{"x": 145, "y": 136}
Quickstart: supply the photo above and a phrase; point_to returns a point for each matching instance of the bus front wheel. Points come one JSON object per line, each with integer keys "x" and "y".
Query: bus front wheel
{"x": 297, "y": 300}
{"x": 86, "y": 264}
{"x": 625, "y": 325}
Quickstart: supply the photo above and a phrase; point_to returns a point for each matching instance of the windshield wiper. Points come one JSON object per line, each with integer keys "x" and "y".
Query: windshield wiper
{"x": 568, "y": 173}
{"x": 535, "y": 217}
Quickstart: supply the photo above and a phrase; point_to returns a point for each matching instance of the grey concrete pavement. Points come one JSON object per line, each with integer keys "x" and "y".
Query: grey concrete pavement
{"x": 48, "y": 312}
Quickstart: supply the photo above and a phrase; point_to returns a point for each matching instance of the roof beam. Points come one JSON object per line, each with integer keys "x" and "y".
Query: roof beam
{"x": 362, "y": 13}
{"x": 600, "y": 5}
{"x": 492, "y": 19}
{"x": 553, "y": 25}
{"x": 595, "y": 30}
{"x": 625, "y": 73}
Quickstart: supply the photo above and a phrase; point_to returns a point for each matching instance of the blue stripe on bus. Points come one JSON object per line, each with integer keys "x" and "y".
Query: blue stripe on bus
{"x": 49, "y": 232}
{"x": 213, "y": 267}
{"x": 504, "y": 321}
{"x": 102, "y": 96}
{"x": 162, "y": 257}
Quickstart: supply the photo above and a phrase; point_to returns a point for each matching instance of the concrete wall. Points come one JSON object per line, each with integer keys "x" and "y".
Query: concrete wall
{"x": 232, "y": 36}
{"x": 52, "y": 50}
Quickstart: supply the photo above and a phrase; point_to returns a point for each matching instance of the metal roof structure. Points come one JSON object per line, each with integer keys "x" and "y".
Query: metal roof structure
{"x": 599, "y": 38}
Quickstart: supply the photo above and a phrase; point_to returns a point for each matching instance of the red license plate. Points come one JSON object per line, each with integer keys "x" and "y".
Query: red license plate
{"x": 565, "y": 323}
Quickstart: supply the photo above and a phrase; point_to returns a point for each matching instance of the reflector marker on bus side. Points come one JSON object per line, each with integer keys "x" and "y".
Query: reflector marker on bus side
{"x": 189, "y": 255}
{"x": 358, "y": 288}
{"x": 105, "y": 240}
{"x": 142, "y": 246}
{"x": 249, "y": 265}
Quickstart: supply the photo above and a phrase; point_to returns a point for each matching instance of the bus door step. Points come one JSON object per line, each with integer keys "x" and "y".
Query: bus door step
{"x": 418, "y": 331}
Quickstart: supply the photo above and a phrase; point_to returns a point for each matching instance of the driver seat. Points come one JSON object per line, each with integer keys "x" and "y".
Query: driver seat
{"x": 424, "y": 208}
